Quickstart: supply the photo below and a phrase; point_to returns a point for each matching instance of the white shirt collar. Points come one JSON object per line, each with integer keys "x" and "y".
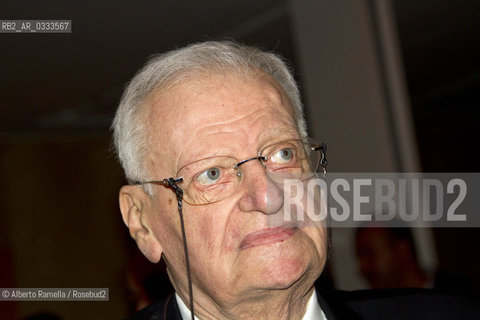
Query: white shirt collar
{"x": 313, "y": 312}
{"x": 184, "y": 311}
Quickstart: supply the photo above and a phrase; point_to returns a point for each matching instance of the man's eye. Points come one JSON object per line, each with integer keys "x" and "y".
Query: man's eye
{"x": 209, "y": 176}
{"x": 284, "y": 155}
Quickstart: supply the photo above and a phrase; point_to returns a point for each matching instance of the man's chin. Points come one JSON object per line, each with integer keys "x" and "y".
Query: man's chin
{"x": 282, "y": 274}
{"x": 282, "y": 264}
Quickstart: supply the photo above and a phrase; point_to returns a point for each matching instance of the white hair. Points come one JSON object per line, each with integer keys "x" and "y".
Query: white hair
{"x": 129, "y": 130}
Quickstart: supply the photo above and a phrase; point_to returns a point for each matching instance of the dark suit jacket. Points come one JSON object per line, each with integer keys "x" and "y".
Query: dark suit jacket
{"x": 411, "y": 304}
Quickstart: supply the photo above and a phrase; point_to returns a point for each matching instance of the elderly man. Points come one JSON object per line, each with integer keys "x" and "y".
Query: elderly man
{"x": 203, "y": 133}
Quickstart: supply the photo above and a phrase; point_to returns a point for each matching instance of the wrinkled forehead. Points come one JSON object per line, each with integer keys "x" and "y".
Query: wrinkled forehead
{"x": 208, "y": 103}
{"x": 176, "y": 98}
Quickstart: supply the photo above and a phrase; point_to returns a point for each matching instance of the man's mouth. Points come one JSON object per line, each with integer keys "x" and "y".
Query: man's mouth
{"x": 267, "y": 237}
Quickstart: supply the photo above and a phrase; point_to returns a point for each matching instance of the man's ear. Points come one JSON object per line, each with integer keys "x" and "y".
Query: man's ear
{"x": 134, "y": 205}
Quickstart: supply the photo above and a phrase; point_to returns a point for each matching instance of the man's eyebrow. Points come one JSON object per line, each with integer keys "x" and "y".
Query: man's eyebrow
{"x": 288, "y": 132}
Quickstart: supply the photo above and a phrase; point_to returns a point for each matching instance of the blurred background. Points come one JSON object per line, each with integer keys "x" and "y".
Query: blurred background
{"x": 389, "y": 85}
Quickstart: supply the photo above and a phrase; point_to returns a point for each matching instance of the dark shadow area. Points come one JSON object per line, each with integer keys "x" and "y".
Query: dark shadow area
{"x": 440, "y": 48}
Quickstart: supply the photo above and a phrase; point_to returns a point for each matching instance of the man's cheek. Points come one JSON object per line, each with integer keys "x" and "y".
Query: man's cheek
{"x": 166, "y": 229}
{"x": 319, "y": 238}
{"x": 206, "y": 234}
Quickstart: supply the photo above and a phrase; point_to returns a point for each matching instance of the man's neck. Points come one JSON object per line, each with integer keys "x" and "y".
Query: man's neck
{"x": 279, "y": 307}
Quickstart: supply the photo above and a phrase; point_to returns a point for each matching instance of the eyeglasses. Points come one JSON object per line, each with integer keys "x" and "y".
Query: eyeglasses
{"x": 213, "y": 179}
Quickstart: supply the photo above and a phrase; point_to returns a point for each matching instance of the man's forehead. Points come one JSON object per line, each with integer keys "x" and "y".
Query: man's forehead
{"x": 214, "y": 103}
{"x": 210, "y": 95}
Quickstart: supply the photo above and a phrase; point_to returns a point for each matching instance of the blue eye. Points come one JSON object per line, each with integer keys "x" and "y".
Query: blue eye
{"x": 283, "y": 156}
{"x": 209, "y": 176}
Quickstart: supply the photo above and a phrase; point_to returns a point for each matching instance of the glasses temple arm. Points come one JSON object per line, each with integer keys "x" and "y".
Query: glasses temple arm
{"x": 323, "y": 156}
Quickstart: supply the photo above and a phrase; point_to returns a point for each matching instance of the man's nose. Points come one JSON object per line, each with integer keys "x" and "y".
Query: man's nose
{"x": 259, "y": 192}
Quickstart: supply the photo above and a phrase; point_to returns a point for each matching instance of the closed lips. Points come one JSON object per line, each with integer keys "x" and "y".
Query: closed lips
{"x": 266, "y": 237}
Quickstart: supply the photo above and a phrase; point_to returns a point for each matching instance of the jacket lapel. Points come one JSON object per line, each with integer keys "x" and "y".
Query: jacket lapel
{"x": 334, "y": 308}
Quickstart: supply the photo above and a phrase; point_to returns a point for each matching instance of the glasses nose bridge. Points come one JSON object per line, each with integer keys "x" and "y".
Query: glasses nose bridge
{"x": 260, "y": 159}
